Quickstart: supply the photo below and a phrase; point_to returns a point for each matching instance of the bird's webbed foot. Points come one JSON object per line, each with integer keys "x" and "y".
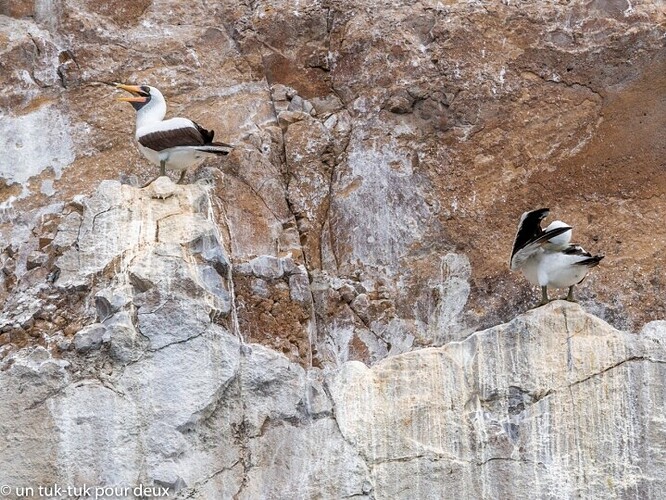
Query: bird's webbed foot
{"x": 570, "y": 295}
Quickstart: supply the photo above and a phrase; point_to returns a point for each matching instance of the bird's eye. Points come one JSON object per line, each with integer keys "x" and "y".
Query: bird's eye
{"x": 145, "y": 89}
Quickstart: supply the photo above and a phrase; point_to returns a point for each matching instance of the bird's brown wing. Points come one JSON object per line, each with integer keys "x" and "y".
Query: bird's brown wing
{"x": 208, "y": 137}
{"x": 165, "y": 139}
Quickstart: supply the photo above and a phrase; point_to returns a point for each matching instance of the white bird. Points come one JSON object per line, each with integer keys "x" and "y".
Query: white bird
{"x": 176, "y": 143}
{"x": 546, "y": 257}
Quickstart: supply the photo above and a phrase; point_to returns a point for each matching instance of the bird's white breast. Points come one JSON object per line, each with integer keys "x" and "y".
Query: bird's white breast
{"x": 559, "y": 270}
{"x": 178, "y": 159}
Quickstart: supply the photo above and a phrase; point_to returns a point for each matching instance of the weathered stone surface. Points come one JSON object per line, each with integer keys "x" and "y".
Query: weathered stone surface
{"x": 555, "y": 402}
{"x": 383, "y": 154}
{"x": 30, "y": 378}
{"x": 89, "y": 413}
{"x": 343, "y": 474}
{"x": 36, "y": 259}
{"x": 91, "y": 338}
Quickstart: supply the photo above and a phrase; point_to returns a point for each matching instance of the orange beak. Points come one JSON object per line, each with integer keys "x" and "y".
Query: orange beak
{"x": 135, "y": 90}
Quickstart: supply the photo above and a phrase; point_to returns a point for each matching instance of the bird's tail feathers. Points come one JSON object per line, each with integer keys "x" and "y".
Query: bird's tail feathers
{"x": 591, "y": 261}
{"x": 216, "y": 148}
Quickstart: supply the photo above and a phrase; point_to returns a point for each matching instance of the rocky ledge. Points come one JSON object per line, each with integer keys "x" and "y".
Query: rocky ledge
{"x": 159, "y": 382}
{"x": 554, "y": 404}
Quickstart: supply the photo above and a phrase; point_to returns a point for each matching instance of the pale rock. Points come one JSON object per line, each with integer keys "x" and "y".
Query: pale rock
{"x": 290, "y": 266}
{"x": 194, "y": 380}
{"x": 23, "y": 157}
{"x": 91, "y": 338}
{"x": 342, "y": 475}
{"x": 296, "y": 104}
{"x": 299, "y": 288}
{"x": 166, "y": 441}
{"x": 278, "y": 387}
{"x": 260, "y": 288}
{"x": 281, "y": 95}
{"x": 327, "y": 104}
{"x": 506, "y": 388}
{"x": 8, "y": 264}
{"x": 174, "y": 485}
{"x": 267, "y": 267}
{"x": 361, "y": 305}
{"x": 447, "y": 419}
{"x": 162, "y": 188}
{"x": 63, "y": 343}
{"x": 109, "y": 301}
{"x": 127, "y": 343}
{"x": 95, "y": 421}
{"x": 317, "y": 401}
{"x": 183, "y": 229}
{"x": 212, "y": 282}
{"x": 167, "y": 322}
{"x": 28, "y": 380}
{"x": 108, "y": 229}
{"x": 209, "y": 247}
{"x": 36, "y": 259}
{"x": 224, "y": 483}
{"x": 287, "y": 118}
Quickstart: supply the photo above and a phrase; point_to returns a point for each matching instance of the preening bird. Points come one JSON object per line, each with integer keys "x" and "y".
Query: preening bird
{"x": 176, "y": 143}
{"x": 546, "y": 257}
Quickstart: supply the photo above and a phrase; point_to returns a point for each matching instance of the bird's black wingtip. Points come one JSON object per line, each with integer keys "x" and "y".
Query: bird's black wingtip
{"x": 591, "y": 262}
{"x": 529, "y": 228}
{"x": 539, "y": 213}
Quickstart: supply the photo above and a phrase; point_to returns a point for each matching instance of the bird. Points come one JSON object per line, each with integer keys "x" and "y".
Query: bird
{"x": 176, "y": 143}
{"x": 546, "y": 257}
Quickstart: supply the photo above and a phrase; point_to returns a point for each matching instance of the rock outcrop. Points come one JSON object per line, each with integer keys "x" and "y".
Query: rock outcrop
{"x": 164, "y": 384}
{"x": 554, "y": 404}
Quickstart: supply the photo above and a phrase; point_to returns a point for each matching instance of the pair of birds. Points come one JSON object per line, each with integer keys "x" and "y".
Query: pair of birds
{"x": 546, "y": 257}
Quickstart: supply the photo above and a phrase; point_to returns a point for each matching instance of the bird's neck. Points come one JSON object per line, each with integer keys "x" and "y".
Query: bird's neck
{"x": 153, "y": 112}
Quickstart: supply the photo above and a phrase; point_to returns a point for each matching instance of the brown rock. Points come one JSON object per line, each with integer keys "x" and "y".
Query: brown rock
{"x": 36, "y": 259}
{"x": 123, "y": 14}
{"x": 434, "y": 129}
{"x": 17, "y": 8}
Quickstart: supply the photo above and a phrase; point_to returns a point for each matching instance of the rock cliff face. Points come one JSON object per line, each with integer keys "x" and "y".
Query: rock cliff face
{"x": 157, "y": 379}
{"x": 307, "y": 304}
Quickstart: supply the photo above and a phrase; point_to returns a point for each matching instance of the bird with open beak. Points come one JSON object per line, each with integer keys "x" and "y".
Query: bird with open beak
{"x": 176, "y": 143}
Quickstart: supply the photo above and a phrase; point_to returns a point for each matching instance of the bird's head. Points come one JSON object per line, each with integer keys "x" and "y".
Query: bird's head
{"x": 562, "y": 240}
{"x": 141, "y": 94}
